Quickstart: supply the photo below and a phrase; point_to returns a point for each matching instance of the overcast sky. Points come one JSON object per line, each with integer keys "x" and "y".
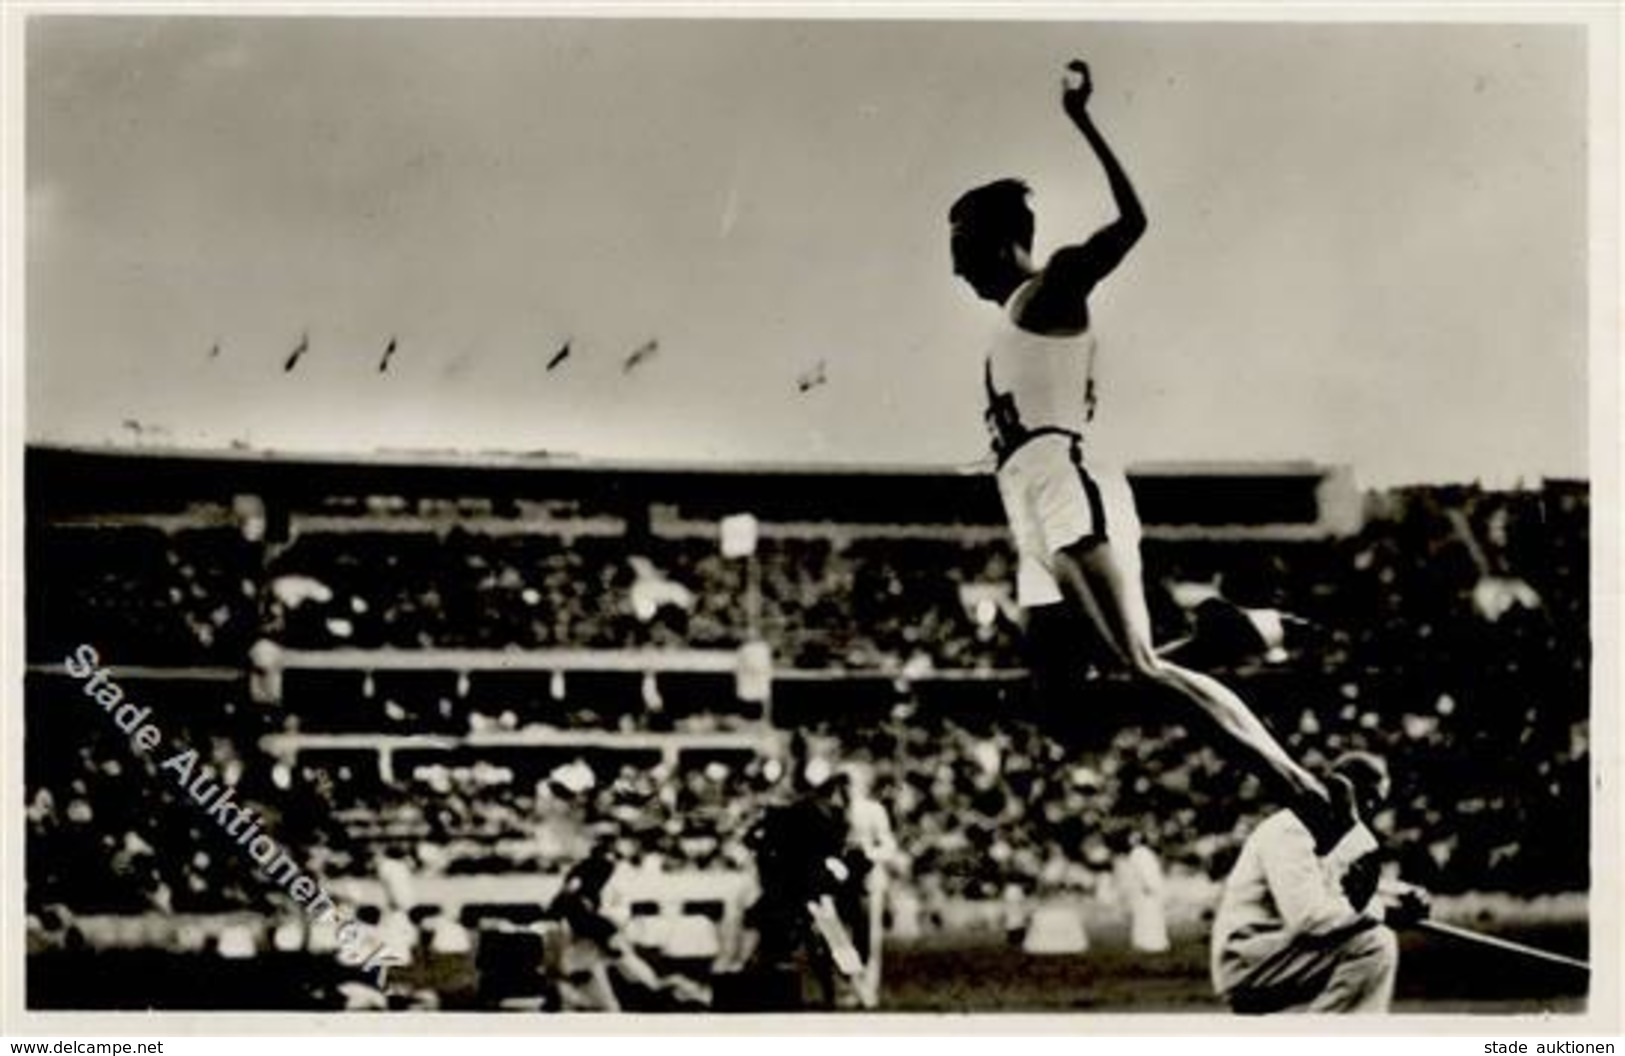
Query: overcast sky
{"x": 1367, "y": 244}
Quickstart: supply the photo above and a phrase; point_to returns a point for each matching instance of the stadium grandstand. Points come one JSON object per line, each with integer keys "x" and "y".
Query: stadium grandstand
{"x": 443, "y": 680}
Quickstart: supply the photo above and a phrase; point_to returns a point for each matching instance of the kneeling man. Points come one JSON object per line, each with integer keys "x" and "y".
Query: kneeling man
{"x": 1296, "y": 932}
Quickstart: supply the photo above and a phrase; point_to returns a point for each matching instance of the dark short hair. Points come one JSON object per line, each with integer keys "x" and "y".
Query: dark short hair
{"x": 997, "y": 208}
{"x": 1366, "y": 771}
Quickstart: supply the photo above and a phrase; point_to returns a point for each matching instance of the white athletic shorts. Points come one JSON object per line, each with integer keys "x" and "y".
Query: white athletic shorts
{"x": 1052, "y": 499}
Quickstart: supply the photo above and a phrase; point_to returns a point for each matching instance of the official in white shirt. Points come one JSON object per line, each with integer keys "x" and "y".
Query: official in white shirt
{"x": 1139, "y": 880}
{"x": 1299, "y": 933}
{"x": 871, "y": 833}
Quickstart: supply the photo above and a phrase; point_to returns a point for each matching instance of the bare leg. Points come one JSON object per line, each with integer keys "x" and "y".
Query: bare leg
{"x": 1105, "y": 581}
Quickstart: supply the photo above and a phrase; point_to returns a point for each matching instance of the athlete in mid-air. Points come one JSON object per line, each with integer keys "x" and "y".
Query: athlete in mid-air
{"x": 1076, "y": 531}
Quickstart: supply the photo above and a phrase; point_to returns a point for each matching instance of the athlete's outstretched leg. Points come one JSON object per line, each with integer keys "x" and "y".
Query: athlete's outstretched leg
{"x": 1104, "y": 579}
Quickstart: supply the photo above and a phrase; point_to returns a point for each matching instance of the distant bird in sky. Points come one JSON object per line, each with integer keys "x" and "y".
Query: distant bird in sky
{"x": 298, "y": 350}
{"x": 389, "y": 350}
{"x": 640, "y": 355}
{"x": 214, "y": 351}
{"x": 138, "y": 428}
{"x": 559, "y": 357}
{"x": 812, "y": 378}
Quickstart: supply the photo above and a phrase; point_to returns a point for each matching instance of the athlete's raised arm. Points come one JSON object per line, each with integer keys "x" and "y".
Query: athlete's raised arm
{"x": 1061, "y": 298}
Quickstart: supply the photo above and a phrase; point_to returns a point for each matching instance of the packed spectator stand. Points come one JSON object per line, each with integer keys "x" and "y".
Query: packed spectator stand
{"x": 1450, "y": 625}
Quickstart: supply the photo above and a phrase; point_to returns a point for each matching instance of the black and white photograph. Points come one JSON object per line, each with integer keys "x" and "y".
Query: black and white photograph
{"x": 540, "y": 514}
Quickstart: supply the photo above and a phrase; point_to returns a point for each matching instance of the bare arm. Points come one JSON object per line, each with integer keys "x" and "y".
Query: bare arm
{"x": 1060, "y": 301}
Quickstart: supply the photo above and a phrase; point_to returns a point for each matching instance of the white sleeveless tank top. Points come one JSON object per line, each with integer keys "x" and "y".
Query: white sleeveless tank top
{"x": 1035, "y": 384}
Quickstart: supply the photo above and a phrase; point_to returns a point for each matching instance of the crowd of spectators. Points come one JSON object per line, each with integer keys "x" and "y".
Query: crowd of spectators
{"x": 109, "y": 831}
{"x": 491, "y": 819}
{"x": 168, "y": 597}
{"x": 859, "y": 604}
{"x": 1451, "y": 633}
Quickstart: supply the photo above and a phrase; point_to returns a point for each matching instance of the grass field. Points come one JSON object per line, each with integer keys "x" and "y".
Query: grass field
{"x": 1436, "y": 975}
{"x": 977, "y": 974}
